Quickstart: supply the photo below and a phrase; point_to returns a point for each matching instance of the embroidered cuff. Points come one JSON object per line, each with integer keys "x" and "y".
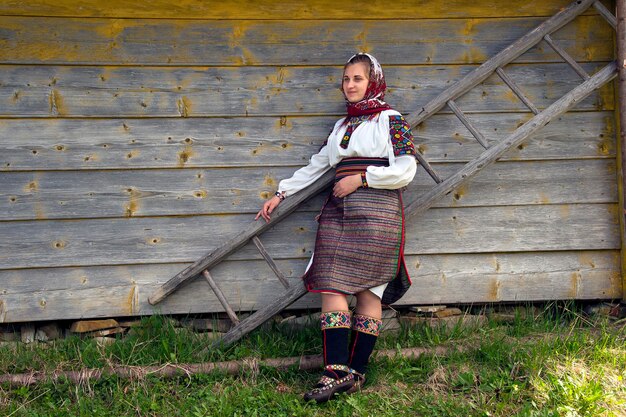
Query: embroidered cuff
{"x": 365, "y": 324}
{"x": 364, "y": 179}
{"x": 335, "y": 319}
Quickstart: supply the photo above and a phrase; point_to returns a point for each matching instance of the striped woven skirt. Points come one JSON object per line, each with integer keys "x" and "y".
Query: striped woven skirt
{"x": 360, "y": 240}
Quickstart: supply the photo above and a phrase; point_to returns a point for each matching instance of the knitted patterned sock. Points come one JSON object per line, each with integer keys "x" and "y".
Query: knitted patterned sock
{"x": 335, "y": 333}
{"x": 365, "y": 331}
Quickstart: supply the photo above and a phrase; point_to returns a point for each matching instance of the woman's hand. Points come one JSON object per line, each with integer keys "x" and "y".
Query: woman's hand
{"x": 347, "y": 185}
{"x": 268, "y": 208}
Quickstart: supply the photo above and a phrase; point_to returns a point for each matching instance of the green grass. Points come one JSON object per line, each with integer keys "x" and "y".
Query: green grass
{"x": 551, "y": 362}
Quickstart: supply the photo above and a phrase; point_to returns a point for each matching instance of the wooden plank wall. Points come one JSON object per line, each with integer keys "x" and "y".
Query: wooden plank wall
{"x": 135, "y": 138}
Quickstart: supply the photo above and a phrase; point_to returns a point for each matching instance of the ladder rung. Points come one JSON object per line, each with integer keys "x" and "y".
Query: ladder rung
{"x": 270, "y": 261}
{"x": 518, "y": 92}
{"x": 220, "y": 297}
{"x": 604, "y": 12}
{"x": 567, "y": 57}
{"x": 479, "y": 136}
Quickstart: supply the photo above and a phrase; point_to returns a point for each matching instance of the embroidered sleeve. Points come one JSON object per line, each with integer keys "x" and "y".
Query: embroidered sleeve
{"x": 401, "y": 136}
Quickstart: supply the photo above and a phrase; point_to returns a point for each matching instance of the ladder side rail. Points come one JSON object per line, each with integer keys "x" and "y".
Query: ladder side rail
{"x": 270, "y": 261}
{"x": 239, "y": 240}
{"x": 557, "y": 108}
{"x": 515, "y": 88}
{"x": 502, "y": 58}
{"x": 263, "y": 314}
{"x": 566, "y": 57}
{"x": 220, "y": 296}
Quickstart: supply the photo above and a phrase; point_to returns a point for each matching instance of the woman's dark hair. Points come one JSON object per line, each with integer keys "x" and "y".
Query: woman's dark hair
{"x": 359, "y": 58}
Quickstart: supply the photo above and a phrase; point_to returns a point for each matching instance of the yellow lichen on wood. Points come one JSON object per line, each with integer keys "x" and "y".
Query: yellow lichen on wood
{"x": 269, "y": 181}
{"x": 472, "y": 55}
{"x": 59, "y": 244}
{"x": 361, "y": 39}
{"x": 575, "y": 284}
{"x": 248, "y": 58}
{"x": 261, "y": 9}
{"x": 279, "y": 76}
{"x": 201, "y": 194}
{"x": 3, "y": 311}
{"x": 32, "y": 187}
{"x": 543, "y": 198}
{"x": 184, "y": 106}
{"x": 55, "y": 101}
{"x": 606, "y": 98}
{"x": 494, "y": 290}
{"x": 511, "y": 96}
{"x": 237, "y": 34}
{"x": 111, "y": 29}
{"x": 468, "y": 31}
{"x": 283, "y": 123}
{"x": 458, "y": 194}
{"x": 132, "y": 300}
{"x": 133, "y": 203}
{"x": 185, "y": 155}
{"x": 586, "y": 258}
{"x": 38, "y": 207}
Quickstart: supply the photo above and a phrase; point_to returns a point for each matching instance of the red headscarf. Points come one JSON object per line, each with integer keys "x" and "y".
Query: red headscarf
{"x": 373, "y": 102}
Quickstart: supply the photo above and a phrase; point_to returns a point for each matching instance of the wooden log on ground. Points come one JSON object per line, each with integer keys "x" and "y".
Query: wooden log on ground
{"x": 305, "y": 363}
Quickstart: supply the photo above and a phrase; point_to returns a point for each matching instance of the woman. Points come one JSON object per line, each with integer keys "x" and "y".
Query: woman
{"x": 360, "y": 239}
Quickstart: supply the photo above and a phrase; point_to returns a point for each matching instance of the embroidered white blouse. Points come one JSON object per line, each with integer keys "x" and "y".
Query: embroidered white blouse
{"x": 370, "y": 139}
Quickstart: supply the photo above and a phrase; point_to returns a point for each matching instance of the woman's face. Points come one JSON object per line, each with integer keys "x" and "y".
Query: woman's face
{"x": 355, "y": 81}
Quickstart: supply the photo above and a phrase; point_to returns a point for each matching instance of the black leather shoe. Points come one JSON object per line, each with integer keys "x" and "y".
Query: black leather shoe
{"x": 328, "y": 386}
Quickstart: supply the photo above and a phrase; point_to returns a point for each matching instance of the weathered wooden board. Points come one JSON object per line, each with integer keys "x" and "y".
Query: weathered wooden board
{"x": 68, "y": 293}
{"x": 56, "y": 91}
{"x": 60, "y": 144}
{"x": 270, "y": 9}
{"x": 571, "y": 135}
{"x": 97, "y": 194}
{"x": 514, "y": 228}
{"x": 507, "y": 184}
{"x": 32, "y": 40}
{"x": 513, "y": 277}
{"x": 44, "y": 243}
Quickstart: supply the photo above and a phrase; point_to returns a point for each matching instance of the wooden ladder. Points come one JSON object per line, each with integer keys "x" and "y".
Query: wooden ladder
{"x": 442, "y": 187}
